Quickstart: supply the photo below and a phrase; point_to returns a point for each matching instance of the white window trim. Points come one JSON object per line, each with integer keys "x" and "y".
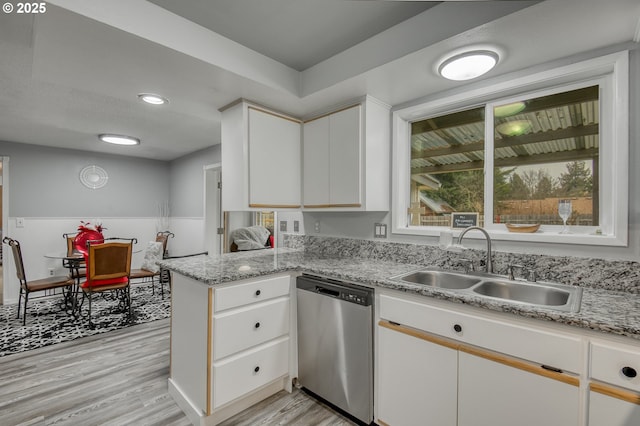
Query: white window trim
{"x": 610, "y": 70}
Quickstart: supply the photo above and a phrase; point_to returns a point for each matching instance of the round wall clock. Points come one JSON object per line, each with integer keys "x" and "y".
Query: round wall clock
{"x": 93, "y": 177}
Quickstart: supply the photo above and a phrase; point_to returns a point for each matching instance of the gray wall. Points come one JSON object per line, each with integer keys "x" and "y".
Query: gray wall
{"x": 186, "y": 192}
{"x": 44, "y": 182}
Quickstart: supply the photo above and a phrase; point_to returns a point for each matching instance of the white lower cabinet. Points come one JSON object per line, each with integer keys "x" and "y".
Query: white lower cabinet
{"x": 497, "y": 394}
{"x": 237, "y": 376}
{"x": 466, "y": 377}
{"x": 230, "y": 345}
{"x": 249, "y": 326}
{"x": 417, "y": 381}
{"x": 614, "y": 389}
{"x": 606, "y": 410}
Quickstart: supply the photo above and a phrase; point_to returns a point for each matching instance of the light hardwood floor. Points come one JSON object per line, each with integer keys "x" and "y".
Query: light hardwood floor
{"x": 120, "y": 378}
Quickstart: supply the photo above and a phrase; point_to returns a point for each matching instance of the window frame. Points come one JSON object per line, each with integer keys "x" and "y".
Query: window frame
{"x": 610, "y": 73}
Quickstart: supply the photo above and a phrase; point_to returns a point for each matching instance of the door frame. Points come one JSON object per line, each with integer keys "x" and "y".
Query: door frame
{"x": 4, "y": 174}
{"x": 212, "y": 174}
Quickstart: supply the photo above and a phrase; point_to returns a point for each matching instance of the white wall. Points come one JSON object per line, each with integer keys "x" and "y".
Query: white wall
{"x": 189, "y": 236}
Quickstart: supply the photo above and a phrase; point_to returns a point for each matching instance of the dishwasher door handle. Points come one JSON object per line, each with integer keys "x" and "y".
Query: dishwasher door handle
{"x": 327, "y": 291}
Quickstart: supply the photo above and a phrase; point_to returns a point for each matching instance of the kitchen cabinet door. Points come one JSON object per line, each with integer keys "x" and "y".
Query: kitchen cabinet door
{"x": 417, "y": 381}
{"x": 497, "y": 394}
{"x": 332, "y": 171}
{"x": 605, "y": 410}
{"x": 274, "y": 160}
{"x": 345, "y": 169}
{"x": 316, "y": 163}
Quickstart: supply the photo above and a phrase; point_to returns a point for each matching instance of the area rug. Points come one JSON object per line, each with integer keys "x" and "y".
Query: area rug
{"x": 48, "y": 325}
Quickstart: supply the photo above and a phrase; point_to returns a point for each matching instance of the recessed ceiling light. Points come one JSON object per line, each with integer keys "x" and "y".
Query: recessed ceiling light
{"x": 119, "y": 139}
{"x": 468, "y": 65}
{"x": 153, "y": 99}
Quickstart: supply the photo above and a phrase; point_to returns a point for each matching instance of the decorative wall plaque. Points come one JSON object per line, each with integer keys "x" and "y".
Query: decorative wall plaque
{"x": 93, "y": 177}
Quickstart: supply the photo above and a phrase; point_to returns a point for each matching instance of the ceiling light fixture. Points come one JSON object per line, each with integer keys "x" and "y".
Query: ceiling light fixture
{"x": 468, "y": 65}
{"x": 514, "y": 128}
{"x": 119, "y": 139}
{"x": 153, "y": 99}
{"x": 508, "y": 109}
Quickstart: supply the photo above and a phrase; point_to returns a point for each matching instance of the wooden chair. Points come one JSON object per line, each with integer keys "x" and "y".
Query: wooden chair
{"x": 27, "y": 286}
{"x": 108, "y": 269}
{"x": 151, "y": 275}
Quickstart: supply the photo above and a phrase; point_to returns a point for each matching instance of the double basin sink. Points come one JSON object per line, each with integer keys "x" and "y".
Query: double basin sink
{"x": 542, "y": 294}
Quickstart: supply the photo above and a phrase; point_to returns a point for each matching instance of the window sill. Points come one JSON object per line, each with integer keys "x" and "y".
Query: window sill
{"x": 585, "y": 237}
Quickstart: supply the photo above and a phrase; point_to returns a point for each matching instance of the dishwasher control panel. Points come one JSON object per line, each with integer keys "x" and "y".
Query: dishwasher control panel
{"x": 348, "y": 292}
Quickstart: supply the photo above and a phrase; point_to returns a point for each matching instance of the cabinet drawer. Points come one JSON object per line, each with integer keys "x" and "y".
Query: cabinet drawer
{"x": 540, "y": 346}
{"x": 615, "y": 364}
{"x": 250, "y": 292}
{"x": 246, "y": 372}
{"x": 239, "y": 329}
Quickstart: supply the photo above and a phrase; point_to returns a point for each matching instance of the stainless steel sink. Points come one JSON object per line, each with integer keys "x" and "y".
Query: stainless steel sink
{"x": 441, "y": 279}
{"x": 530, "y": 293}
{"x": 543, "y": 294}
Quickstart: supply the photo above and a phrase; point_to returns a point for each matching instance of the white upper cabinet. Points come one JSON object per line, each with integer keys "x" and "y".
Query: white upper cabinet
{"x": 315, "y": 139}
{"x": 338, "y": 161}
{"x": 260, "y": 158}
{"x": 346, "y": 158}
{"x": 274, "y": 160}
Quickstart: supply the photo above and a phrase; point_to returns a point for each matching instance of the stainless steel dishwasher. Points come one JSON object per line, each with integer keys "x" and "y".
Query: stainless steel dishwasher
{"x": 335, "y": 343}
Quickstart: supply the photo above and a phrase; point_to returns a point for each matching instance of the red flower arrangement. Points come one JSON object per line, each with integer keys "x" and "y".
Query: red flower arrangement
{"x": 86, "y": 232}
{"x": 86, "y": 226}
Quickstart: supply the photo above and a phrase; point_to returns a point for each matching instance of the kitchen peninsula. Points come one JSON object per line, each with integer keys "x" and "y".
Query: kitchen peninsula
{"x": 213, "y": 298}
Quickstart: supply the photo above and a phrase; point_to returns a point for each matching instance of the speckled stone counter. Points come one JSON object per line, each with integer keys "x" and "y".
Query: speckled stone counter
{"x": 601, "y": 310}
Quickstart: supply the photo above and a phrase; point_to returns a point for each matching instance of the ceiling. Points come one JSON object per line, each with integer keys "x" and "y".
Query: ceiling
{"x": 75, "y": 71}
{"x": 300, "y": 33}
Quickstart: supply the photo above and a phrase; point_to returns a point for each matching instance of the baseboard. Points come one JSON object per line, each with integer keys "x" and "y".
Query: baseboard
{"x": 195, "y": 416}
{"x": 221, "y": 414}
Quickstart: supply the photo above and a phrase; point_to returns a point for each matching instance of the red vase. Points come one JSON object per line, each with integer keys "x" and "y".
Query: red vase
{"x": 80, "y": 241}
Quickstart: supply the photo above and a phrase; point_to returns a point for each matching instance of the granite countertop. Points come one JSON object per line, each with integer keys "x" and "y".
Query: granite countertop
{"x": 601, "y": 310}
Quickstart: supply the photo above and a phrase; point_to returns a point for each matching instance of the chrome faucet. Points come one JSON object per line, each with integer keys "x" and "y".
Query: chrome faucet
{"x": 486, "y": 234}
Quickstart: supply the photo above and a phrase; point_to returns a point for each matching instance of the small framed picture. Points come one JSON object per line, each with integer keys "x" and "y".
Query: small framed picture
{"x": 464, "y": 220}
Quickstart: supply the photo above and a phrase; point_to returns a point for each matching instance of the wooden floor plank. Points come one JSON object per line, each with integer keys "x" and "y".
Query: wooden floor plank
{"x": 120, "y": 378}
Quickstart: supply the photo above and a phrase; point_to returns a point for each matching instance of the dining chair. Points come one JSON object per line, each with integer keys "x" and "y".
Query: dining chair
{"x": 163, "y": 237}
{"x": 108, "y": 269}
{"x": 77, "y": 268}
{"x": 149, "y": 271}
{"x": 27, "y": 286}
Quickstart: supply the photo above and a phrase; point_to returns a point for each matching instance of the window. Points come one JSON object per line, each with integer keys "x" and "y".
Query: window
{"x": 512, "y": 158}
{"x": 447, "y": 167}
{"x": 546, "y": 151}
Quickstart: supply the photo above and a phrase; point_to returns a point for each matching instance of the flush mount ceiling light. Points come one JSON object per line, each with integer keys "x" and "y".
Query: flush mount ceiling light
{"x": 514, "y": 128}
{"x": 119, "y": 139}
{"x": 153, "y": 99}
{"x": 508, "y": 109}
{"x": 468, "y": 65}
